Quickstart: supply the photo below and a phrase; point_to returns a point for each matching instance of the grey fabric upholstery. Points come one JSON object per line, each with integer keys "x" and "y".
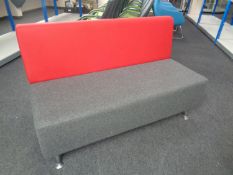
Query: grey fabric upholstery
{"x": 73, "y": 112}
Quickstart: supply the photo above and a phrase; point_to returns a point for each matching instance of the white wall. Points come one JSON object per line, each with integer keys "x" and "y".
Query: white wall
{"x": 2, "y": 8}
{"x": 15, "y": 11}
{"x": 31, "y": 4}
{"x": 101, "y": 2}
{"x": 195, "y": 7}
{"x": 60, "y": 3}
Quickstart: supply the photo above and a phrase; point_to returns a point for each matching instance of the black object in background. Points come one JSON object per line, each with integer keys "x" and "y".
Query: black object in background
{"x": 146, "y": 7}
{"x": 114, "y": 8}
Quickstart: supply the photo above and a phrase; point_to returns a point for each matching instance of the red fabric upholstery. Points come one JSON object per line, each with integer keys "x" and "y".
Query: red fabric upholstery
{"x": 57, "y": 50}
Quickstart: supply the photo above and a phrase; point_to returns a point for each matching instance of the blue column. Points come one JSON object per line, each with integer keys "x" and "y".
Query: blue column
{"x": 188, "y": 6}
{"x": 215, "y": 7}
{"x": 224, "y": 18}
{"x": 10, "y": 17}
{"x": 201, "y": 12}
{"x": 44, "y": 9}
{"x": 232, "y": 20}
{"x": 55, "y": 7}
{"x": 80, "y": 8}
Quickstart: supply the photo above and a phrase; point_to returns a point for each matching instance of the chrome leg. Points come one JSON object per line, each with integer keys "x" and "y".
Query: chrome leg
{"x": 59, "y": 163}
{"x": 175, "y": 29}
{"x": 185, "y": 115}
{"x": 179, "y": 32}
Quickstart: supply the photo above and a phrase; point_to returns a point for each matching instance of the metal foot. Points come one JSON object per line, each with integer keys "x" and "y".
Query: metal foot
{"x": 179, "y": 31}
{"x": 59, "y": 166}
{"x": 186, "y": 117}
{"x": 175, "y": 29}
{"x": 59, "y": 163}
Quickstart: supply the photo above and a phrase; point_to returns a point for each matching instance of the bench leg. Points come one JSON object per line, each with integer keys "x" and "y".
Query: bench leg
{"x": 179, "y": 31}
{"x": 175, "y": 29}
{"x": 185, "y": 115}
{"x": 59, "y": 163}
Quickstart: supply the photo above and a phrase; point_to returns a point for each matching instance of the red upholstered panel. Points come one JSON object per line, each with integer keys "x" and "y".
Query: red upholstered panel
{"x": 57, "y": 50}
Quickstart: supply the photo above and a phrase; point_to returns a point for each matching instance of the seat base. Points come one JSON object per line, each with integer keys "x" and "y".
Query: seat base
{"x": 73, "y": 112}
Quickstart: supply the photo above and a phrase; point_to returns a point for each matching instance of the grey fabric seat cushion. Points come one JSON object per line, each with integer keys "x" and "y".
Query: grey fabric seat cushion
{"x": 73, "y": 112}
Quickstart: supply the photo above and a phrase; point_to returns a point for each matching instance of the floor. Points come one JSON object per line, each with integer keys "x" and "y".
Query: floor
{"x": 202, "y": 145}
{"x": 210, "y": 25}
{"x": 9, "y": 49}
{"x": 28, "y": 17}
{"x": 229, "y": 16}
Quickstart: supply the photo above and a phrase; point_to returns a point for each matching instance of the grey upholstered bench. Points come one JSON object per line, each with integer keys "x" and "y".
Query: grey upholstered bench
{"x": 73, "y": 112}
{"x": 81, "y": 95}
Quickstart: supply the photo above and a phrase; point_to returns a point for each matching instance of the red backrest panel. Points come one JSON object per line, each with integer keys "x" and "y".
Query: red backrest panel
{"x": 57, "y": 50}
